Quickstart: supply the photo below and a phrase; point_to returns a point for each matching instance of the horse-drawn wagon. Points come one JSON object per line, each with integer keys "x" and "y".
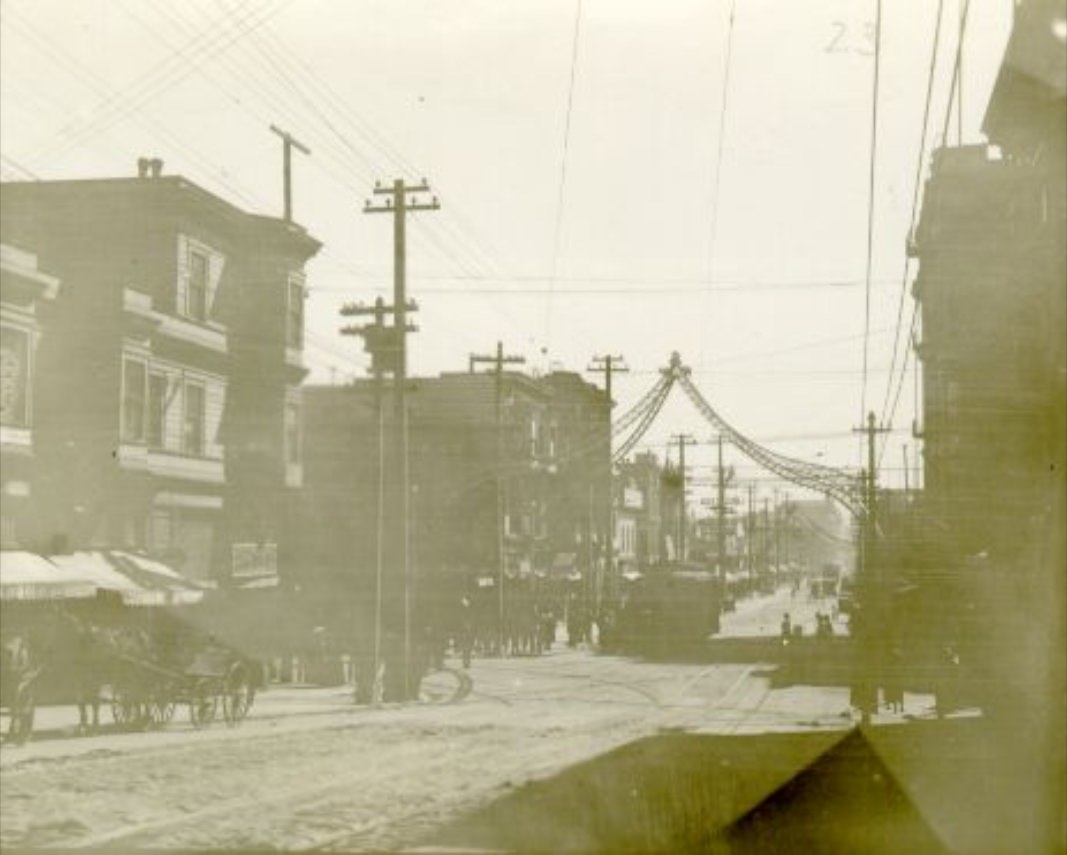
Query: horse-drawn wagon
{"x": 145, "y": 683}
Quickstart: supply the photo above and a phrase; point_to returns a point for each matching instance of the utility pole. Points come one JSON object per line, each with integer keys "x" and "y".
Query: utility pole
{"x": 750, "y": 534}
{"x": 498, "y": 361}
{"x": 871, "y": 481}
{"x": 788, "y": 527}
{"x": 765, "y": 546}
{"x": 608, "y": 365}
{"x": 724, "y": 478}
{"x": 777, "y": 540}
{"x": 873, "y": 594}
{"x": 683, "y": 439}
{"x": 392, "y": 356}
{"x": 959, "y": 75}
{"x": 289, "y": 142}
{"x": 380, "y": 342}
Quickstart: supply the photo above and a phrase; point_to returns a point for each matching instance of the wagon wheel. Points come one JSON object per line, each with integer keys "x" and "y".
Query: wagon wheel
{"x": 203, "y": 705}
{"x": 124, "y": 709}
{"x": 161, "y": 709}
{"x": 238, "y": 694}
{"x": 23, "y": 706}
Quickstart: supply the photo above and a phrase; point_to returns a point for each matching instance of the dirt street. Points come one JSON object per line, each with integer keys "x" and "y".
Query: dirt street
{"x": 310, "y": 769}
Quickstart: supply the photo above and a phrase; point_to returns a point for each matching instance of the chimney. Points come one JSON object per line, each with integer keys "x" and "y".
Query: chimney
{"x": 142, "y": 167}
{"x": 156, "y": 165}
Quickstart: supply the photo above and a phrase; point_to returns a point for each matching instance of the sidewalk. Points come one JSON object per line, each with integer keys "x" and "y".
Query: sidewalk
{"x": 761, "y": 615}
{"x": 61, "y": 721}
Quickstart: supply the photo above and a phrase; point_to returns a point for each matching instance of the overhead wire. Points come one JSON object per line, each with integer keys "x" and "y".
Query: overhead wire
{"x": 944, "y": 138}
{"x": 339, "y": 153}
{"x": 871, "y": 204}
{"x": 716, "y": 177}
{"x": 209, "y": 43}
{"x": 919, "y": 163}
{"x": 201, "y": 166}
{"x": 557, "y": 230}
{"x": 438, "y": 233}
{"x": 18, "y": 168}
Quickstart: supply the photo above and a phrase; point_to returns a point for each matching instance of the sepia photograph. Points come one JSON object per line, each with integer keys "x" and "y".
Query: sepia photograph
{"x": 536, "y": 426}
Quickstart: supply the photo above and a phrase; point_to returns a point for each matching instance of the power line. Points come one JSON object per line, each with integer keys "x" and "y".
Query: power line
{"x": 341, "y": 151}
{"x": 563, "y": 170}
{"x": 870, "y": 201}
{"x": 920, "y": 160}
{"x": 644, "y": 285}
{"x": 944, "y": 136}
{"x": 94, "y": 83}
{"x": 13, "y": 164}
{"x": 209, "y": 42}
{"x": 713, "y": 230}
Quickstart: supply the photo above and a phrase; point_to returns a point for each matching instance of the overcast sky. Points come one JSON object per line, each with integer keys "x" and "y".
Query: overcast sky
{"x": 597, "y": 197}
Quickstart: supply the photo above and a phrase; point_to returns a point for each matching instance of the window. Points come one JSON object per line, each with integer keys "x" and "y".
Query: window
{"x": 193, "y": 424}
{"x": 14, "y": 376}
{"x": 292, "y": 433}
{"x": 196, "y": 300}
{"x": 294, "y": 319}
{"x": 157, "y": 410}
{"x": 134, "y": 378}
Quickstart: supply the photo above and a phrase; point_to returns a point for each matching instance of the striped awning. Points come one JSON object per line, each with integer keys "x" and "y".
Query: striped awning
{"x": 28, "y": 576}
{"x": 139, "y": 580}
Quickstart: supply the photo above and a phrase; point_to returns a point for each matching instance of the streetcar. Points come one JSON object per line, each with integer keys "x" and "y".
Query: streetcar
{"x": 671, "y": 608}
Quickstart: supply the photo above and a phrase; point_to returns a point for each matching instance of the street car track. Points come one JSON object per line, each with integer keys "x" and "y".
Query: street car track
{"x": 328, "y": 814}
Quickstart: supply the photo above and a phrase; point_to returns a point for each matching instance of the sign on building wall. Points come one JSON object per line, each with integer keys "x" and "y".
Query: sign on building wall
{"x": 255, "y": 560}
{"x": 633, "y": 498}
{"x": 14, "y": 375}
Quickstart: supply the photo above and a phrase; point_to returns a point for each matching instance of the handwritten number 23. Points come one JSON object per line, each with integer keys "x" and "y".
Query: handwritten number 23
{"x": 841, "y": 42}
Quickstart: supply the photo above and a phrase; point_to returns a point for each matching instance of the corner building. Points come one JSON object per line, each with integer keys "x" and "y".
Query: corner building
{"x": 166, "y": 379}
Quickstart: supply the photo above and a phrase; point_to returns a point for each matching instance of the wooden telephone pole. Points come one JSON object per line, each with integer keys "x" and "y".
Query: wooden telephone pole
{"x": 289, "y": 142}
{"x": 388, "y": 349}
{"x": 608, "y": 366}
{"x": 498, "y": 361}
{"x": 683, "y": 439}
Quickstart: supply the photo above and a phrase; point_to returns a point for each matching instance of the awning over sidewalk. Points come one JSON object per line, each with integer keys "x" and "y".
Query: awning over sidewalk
{"x": 28, "y": 576}
{"x": 140, "y": 581}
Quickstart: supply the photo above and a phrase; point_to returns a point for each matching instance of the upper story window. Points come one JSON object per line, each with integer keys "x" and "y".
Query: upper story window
{"x": 199, "y": 272}
{"x": 193, "y": 421}
{"x": 134, "y": 380}
{"x": 196, "y": 297}
{"x": 292, "y": 433}
{"x": 155, "y": 428}
{"x": 294, "y": 317}
{"x": 14, "y": 377}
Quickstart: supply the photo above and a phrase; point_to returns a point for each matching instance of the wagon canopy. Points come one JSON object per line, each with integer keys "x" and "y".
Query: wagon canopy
{"x": 139, "y": 580}
{"x": 28, "y": 576}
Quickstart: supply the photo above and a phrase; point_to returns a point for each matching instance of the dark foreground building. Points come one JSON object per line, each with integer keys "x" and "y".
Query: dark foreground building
{"x": 992, "y": 292}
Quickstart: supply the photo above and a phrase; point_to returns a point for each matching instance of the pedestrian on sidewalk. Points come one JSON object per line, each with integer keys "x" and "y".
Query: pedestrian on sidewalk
{"x": 893, "y": 684}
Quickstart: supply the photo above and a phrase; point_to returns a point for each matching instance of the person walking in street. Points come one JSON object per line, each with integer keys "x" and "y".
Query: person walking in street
{"x": 466, "y": 631}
